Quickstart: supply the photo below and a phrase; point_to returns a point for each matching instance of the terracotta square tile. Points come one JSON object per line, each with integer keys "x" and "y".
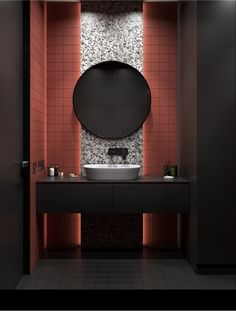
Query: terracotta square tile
{"x": 164, "y": 49}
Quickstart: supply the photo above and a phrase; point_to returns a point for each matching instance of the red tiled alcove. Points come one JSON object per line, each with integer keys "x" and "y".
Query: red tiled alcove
{"x": 160, "y": 128}
{"x": 63, "y": 71}
{"x": 38, "y": 117}
{"x": 55, "y": 58}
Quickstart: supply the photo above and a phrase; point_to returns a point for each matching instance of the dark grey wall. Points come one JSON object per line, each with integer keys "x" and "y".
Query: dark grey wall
{"x": 11, "y": 101}
{"x": 216, "y": 132}
{"x": 208, "y": 127}
{"x": 187, "y": 114}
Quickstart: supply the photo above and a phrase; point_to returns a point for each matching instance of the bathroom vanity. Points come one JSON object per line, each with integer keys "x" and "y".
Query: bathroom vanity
{"x": 147, "y": 194}
{"x": 112, "y": 211}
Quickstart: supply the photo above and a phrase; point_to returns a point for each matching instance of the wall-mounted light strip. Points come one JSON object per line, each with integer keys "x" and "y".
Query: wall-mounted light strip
{"x": 115, "y": 0}
{"x": 62, "y": 1}
{"x": 160, "y": 1}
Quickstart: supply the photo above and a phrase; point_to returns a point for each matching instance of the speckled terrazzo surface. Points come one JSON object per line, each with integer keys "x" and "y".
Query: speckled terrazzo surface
{"x": 119, "y": 231}
{"x": 111, "y": 31}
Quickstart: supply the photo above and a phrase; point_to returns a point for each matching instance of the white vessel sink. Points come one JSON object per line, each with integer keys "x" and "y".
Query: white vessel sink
{"x": 112, "y": 171}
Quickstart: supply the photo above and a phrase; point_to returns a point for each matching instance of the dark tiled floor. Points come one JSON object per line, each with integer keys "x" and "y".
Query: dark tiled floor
{"x": 123, "y": 273}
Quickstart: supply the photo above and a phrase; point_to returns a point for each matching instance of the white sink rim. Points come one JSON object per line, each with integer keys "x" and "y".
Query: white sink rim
{"x": 112, "y": 166}
{"x": 112, "y": 171}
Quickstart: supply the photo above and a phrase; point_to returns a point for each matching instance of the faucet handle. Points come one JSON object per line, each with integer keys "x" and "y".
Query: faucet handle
{"x": 111, "y": 151}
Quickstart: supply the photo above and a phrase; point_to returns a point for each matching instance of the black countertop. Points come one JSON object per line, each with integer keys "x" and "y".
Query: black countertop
{"x": 141, "y": 179}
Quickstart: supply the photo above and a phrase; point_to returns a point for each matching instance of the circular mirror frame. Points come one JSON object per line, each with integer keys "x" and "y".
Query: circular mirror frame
{"x": 116, "y": 63}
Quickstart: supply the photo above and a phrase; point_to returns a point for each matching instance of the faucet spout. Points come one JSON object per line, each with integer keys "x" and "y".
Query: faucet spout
{"x": 124, "y": 153}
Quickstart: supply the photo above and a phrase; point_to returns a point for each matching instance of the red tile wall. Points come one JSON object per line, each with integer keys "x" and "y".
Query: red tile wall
{"x": 63, "y": 129}
{"x": 55, "y": 58}
{"x": 38, "y": 116}
{"x": 160, "y": 128}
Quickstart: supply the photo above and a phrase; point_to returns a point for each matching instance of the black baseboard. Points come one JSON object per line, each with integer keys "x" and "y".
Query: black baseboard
{"x": 215, "y": 269}
{"x": 103, "y": 249}
{"x": 143, "y": 253}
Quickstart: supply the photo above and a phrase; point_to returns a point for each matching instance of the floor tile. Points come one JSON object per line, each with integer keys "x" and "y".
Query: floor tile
{"x": 121, "y": 274}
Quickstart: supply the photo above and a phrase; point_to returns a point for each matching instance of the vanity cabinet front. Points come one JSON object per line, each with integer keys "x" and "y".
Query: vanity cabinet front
{"x": 146, "y": 195}
{"x": 150, "y": 198}
{"x": 74, "y": 198}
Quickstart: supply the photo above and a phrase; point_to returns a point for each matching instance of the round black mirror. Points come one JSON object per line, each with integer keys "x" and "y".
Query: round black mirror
{"x": 112, "y": 99}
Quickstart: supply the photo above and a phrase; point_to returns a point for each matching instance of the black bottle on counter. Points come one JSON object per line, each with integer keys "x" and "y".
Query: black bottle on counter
{"x": 56, "y": 170}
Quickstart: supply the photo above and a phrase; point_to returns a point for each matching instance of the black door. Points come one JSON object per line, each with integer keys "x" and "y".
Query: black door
{"x": 11, "y": 143}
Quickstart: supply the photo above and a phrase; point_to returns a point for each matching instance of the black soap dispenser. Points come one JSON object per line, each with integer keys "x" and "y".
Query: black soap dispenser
{"x": 56, "y": 170}
{"x": 166, "y": 169}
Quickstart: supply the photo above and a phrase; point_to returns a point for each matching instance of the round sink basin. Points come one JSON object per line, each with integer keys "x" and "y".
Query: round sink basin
{"x": 112, "y": 171}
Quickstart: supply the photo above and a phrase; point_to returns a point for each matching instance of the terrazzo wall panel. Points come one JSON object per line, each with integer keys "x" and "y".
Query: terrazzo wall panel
{"x": 111, "y": 31}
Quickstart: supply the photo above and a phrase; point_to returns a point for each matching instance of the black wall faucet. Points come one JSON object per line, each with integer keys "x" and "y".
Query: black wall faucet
{"x": 118, "y": 151}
